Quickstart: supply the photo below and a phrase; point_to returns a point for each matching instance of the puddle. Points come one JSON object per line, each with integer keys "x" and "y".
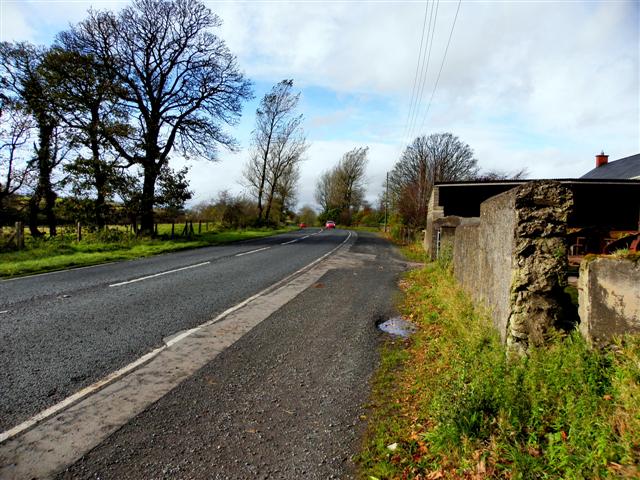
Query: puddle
{"x": 398, "y": 327}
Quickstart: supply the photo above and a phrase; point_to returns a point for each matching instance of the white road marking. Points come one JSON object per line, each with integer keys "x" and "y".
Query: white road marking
{"x": 76, "y": 397}
{"x": 4, "y": 311}
{"x": 70, "y": 400}
{"x": 252, "y": 251}
{"x": 70, "y": 269}
{"x": 159, "y": 274}
{"x": 300, "y": 239}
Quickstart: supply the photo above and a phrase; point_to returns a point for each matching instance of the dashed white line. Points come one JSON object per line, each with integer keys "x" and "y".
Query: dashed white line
{"x": 158, "y": 274}
{"x": 252, "y": 251}
{"x": 4, "y": 311}
{"x": 4, "y": 436}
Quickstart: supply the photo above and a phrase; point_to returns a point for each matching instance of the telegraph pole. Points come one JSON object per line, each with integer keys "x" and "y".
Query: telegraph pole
{"x": 386, "y": 205}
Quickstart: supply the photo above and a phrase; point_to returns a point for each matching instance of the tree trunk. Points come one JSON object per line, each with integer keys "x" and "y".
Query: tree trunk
{"x": 269, "y": 203}
{"x": 34, "y": 210}
{"x": 44, "y": 188}
{"x": 148, "y": 199}
{"x": 99, "y": 175}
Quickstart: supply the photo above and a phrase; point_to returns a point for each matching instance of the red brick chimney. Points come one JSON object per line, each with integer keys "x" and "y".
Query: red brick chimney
{"x": 601, "y": 159}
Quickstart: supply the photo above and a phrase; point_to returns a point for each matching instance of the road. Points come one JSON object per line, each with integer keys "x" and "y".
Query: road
{"x": 272, "y": 387}
{"x": 63, "y": 331}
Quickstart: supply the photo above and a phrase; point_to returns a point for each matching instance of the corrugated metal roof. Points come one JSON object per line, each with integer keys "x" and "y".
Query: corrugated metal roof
{"x": 624, "y": 168}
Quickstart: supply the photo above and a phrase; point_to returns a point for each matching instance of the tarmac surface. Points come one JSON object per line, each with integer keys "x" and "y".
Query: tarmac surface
{"x": 283, "y": 401}
{"x": 63, "y": 331}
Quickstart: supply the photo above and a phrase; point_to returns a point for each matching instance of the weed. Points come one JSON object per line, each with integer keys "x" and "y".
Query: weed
{"x": 459, "y": 407}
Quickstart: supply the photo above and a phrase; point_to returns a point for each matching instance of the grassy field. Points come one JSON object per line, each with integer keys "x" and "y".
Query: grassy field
{"x": 63, "y": 251}
{"x": 451, "y": 403}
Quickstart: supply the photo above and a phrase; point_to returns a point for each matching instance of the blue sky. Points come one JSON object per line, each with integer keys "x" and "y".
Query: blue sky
{"x": 538, "y": 85}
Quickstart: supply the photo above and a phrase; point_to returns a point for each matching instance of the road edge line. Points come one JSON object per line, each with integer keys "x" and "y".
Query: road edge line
{"x": 147, "y": 357}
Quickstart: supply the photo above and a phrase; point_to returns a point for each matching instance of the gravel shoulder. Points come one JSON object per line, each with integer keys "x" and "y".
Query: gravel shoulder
{"x": 283, "y": 402}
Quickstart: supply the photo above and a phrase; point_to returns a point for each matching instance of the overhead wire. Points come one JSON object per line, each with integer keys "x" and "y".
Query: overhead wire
{"x": 418, "y": 69}
{"x": 453, "y": 25}
{"x": 425, "y": 68}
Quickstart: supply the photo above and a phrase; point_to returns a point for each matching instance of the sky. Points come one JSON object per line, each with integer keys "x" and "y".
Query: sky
{"x": 541, "y": 85}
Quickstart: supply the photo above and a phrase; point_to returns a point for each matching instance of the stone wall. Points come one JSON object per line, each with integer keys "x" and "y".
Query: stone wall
{"x": 513, "y": 261}
{"x": 609, "y": 292}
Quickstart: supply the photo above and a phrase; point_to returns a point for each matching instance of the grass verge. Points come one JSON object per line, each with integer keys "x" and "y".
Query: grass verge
{"x": 64, "y": 252}
{"x": 450, "y": 402}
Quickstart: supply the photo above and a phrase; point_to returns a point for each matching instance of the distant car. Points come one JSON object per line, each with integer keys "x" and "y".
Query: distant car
{"x": 303, "y": 225}
{"x": 330, "y": 224}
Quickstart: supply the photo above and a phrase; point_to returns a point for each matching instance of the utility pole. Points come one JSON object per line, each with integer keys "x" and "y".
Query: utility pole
{"x": 386, "y": 205}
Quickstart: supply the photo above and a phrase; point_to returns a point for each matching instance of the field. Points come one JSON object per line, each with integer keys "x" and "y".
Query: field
{"x": 115, "y": 243}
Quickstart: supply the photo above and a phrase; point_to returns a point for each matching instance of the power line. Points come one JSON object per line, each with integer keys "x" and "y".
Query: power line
{"x": 415, "y": 78}
{"x": 441, "y": 65}
{"x": 425, "y": 68}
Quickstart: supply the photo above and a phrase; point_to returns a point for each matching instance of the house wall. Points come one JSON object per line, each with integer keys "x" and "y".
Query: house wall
{"x": 609, "y": 293}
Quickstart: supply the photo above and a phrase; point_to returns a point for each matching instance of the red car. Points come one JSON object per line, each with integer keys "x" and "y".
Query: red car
{"x": 303, "y": 225}
{"x": 330, "y": 224}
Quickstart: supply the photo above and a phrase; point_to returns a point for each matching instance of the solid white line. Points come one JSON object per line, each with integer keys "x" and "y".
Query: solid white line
{"x": 252, "y": 251}
{"x": 70, "y": 269}
{"x": 67, "y": 402}
{"x": 159, "y": 274}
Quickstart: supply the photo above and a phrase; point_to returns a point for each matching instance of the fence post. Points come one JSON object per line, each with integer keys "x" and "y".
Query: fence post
{"x": 155, "y": 229}
{"x": 173, "y": 226}
{"x": 199, "y": 227}
{"x": 78, "y": 232}
{"x": 19, "y": 235}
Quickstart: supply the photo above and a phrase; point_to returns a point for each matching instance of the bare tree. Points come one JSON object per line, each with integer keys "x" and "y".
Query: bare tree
{"x": 181, "y": 82}
{"x": 15, "y": 129}
{"x": 340, "y": 191}
{"x": 275, "y": 125}
{"x": 283, "y": 164}
{"x": 492, "y": 175}
{"x": 23, "y": 83}
{"x": 349, "y": 178}
{"x": 325, "y": 193}
{"x": 428, "y": 159}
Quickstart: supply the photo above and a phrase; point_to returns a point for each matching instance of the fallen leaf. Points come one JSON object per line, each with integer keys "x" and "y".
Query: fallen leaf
{"x": 393, "y": 447}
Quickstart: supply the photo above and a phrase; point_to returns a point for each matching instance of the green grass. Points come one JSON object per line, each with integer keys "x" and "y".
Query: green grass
{"x": 44, "y": 255}
{"x": 459, "y": 406}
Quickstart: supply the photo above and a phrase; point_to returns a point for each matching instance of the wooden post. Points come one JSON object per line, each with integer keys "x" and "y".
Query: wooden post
{"x": 173, "y": 227}
{"x": 78, "y": 232}
{"x": 199, "y": 227}
{"x": 19, "y": 235}
{"x": 156, "y": 229}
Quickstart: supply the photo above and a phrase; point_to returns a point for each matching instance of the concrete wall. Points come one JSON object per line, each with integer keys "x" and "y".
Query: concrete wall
{"x": 434, "y": 212}
{"x": 609, "y": 292}
{"x": 513, "y": 261}
{"x": 483, "y": 257}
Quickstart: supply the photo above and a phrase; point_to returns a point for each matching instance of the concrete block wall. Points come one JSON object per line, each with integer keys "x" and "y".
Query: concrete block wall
{"x": 609, "y": 296}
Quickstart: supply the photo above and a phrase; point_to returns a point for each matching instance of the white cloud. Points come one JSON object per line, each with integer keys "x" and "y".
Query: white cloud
{"x": 538, "y": 84}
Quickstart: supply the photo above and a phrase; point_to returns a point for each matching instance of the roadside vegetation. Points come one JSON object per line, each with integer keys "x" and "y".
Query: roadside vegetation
{"x": 63, "y": 251}
{"x": 451, "y": 403}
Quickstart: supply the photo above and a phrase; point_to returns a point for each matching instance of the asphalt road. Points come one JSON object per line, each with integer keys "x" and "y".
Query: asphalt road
{"x": 284, "y": 401}
{"x": 60, "y": 332}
